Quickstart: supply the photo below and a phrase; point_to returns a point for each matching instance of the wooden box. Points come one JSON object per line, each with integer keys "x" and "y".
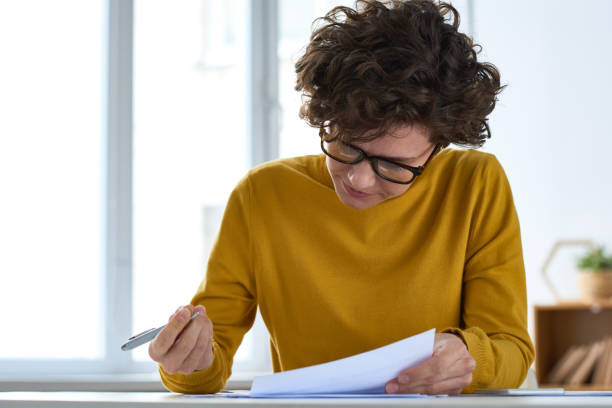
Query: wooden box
{"x": 560, "y": 326}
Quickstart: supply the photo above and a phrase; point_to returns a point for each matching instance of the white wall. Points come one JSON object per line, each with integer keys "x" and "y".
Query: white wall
{"x": 552, "y": 128}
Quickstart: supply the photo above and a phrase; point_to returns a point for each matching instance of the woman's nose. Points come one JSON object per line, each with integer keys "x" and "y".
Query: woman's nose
{"x": 362, "y": 176}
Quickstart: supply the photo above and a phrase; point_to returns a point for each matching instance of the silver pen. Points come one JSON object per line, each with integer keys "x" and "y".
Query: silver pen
{"x": 146, "y": 336}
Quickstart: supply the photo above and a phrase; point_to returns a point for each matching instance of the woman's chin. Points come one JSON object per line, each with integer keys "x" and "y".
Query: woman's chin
{"x": 358, "y": 203}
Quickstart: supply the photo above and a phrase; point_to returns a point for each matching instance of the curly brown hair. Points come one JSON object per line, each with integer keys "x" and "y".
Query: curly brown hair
{"x": 384, "y": 64}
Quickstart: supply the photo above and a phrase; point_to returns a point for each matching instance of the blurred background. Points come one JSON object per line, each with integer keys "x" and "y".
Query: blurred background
{"x": 124, "y": 125}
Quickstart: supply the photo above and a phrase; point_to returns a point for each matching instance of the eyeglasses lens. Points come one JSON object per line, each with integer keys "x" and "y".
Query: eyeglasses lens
{"x": 342, "y": 152}
{"x": 393, "y": 172}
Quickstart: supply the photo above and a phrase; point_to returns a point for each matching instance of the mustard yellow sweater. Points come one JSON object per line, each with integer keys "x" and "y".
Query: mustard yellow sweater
{"x": 332, "y": 281}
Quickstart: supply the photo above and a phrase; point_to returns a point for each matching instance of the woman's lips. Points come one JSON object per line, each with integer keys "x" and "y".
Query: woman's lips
{"x": 354, "y": 193}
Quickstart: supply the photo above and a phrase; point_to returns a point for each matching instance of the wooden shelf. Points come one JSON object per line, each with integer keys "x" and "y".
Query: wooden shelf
{"x": 586, "y": 387}
{"x": 575, "y": 305}
{"x": 560, "y": 326}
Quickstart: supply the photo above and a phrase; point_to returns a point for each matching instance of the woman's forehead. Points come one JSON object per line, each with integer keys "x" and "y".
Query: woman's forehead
{"x": 400, "y": 130}
{"x": 402, "y": 144}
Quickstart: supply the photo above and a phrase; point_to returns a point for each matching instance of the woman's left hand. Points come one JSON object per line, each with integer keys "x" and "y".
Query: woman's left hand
{"x": 448, "y": 370}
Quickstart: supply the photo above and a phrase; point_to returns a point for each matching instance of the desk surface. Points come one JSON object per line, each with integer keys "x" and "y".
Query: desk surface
{"x": 148, "y": 399}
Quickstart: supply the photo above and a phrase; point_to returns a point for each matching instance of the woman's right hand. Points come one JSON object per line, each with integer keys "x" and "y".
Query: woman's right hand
{"x": 184, "y": 345}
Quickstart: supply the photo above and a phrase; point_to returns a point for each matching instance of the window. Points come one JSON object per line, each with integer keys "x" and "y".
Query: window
{"x": 190, "y": 146}
{"x": 51, "y": 180}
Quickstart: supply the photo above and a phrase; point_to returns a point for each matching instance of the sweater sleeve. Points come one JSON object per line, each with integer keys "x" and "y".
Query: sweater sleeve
{"x": 228, "y": 293}
{"x": 494, "y": 301}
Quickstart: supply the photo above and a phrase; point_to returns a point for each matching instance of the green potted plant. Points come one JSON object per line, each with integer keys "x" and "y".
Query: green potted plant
{"x": 595, "y": 279}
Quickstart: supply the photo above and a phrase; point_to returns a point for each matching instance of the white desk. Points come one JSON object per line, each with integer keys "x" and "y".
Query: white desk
{"x": 158, "y": 399}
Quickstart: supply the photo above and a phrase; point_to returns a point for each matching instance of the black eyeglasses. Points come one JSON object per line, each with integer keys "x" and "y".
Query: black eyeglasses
{"x": 389, "y": 170}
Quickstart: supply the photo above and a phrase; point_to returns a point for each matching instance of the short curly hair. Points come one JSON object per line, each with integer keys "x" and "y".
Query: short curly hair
{"x": 382, "y": 64}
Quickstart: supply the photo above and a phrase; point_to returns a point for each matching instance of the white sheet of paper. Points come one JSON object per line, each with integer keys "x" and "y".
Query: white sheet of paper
{"x": 337, "y": 396}
{"x": 365, "y": 373}
{"x": 246, "y": 394}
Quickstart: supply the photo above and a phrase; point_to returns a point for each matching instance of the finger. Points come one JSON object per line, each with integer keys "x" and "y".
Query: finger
{"x": 428, "y": 371}
{"x": 450, "y": 386}
{"x": 438, "y": 368}
{"x": 175, "y": 358}
{"x": 166, "y": 338}
{"x": 199, "y": 308}
{"x": 190, "y": 307}
{"x": 201, "y": 356}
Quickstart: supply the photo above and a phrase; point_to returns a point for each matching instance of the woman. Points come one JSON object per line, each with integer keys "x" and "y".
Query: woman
{"x": 387, "y": 234}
